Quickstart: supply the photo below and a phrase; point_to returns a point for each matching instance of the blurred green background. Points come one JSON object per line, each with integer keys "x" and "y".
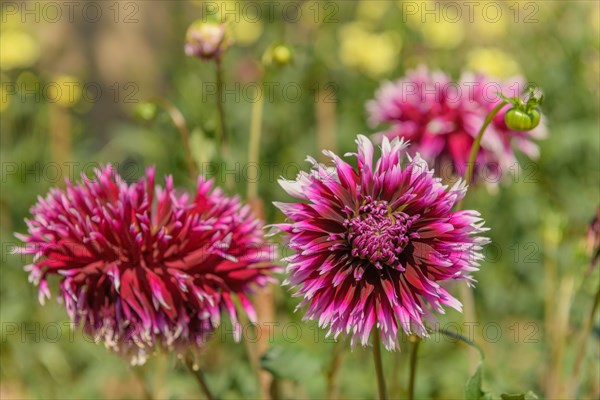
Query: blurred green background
{"x": 71, "y": 83}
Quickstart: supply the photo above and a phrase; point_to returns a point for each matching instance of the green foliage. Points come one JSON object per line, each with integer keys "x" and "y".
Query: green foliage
{"x": 473, "y": 389}
{"x": 521, "y": 396}
{"x": 290, "y": 363}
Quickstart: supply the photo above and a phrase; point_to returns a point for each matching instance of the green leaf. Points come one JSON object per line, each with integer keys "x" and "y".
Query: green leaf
{"x": 287, "y": 363}
{"x": 520, "y": 396}
{"x": 473, "y": 388}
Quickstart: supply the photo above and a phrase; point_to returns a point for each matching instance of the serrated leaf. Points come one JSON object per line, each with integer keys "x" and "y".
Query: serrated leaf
{"x": 286, "y": 363}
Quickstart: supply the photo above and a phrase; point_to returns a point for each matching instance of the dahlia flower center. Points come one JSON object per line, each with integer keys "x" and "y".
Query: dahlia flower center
{"x": 378, "y": 235}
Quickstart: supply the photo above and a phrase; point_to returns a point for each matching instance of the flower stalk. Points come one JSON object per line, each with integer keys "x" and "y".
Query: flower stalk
{"x": 139, "y": 376}
{"x": 254, "y": 145}
{"x": 179, "y": 121}
{"x": 221, "y": 130}
{"x": 477, "y": 142}
{"x": 581, "y": 346}
{"x": 334, "y": 370}
{"x": 378, "y": 364}
{"x": 518, "y": 105}
{"x": 199, "y": 376}
{"x": 466, "y": 293}
{"x": 413, "y": 368}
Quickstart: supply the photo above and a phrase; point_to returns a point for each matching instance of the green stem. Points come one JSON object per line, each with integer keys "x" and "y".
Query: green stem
{"x": 179, "y": 121}
{"x": 396, "y": 386}
{"x": 254, "y": 145}
{"x": 458, "y": 336}
{"x": 587, "y": 329}
{"x": 466, "y": 291}
{"x": 477, "y": 142}
{"x": 199, "y": 375}
{"x": 413, "y": 369}
{"x": 378, "y": 364}
{"x": 251, "y": 351}
{"x": 139, "y": 375}
{"x": 468, "y": 300}
{"x": 334, "y": 369}
{"x": 221, "y": 131}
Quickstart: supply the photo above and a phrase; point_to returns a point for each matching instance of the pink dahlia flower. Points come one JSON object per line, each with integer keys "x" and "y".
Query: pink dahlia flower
{"x": 442, "y": 118}
{"x": 141, "y": 266}
{"x": 372, "y": 245}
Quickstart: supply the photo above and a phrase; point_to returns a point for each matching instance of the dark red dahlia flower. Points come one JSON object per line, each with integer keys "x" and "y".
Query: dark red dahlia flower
{"x": 142, "y": 266}
{"x": 372, "y": 245}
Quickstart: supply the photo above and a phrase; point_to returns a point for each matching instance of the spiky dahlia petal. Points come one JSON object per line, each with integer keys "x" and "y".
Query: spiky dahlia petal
{"x": 142, "y": 266}
{"x": 372, "y": 244}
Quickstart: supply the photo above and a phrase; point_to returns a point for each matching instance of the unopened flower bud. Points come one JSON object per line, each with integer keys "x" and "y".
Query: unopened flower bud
{"x": 207, "y": 40}
{"x": 278, "y": 54}
{"x": 523, "y": 116}
{"x": 282, "y": 55}
{"x": 146, "y": 111}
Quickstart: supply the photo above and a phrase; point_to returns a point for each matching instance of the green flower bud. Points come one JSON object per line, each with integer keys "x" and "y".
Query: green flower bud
{"x": 146, "y": 111}
{"x": 279, "y": 54}
{"x": 282, "y": 55}
{"x": 522, "y": 120}
{"x": 523, "y": 116}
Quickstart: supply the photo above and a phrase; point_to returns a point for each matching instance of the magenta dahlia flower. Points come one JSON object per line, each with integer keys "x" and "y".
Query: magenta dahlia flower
{"x": 372, "y": 245}
{"x": 442, "y": 118}
{"x": 141, "y": 266}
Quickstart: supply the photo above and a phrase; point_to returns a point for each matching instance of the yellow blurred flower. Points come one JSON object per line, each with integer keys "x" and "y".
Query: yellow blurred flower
{"x": 18, "y": 49}
{"x": 488, "y": 29}
{"x": 595, "y": 23}
{"x": 492, "y": 61}
{"x": 442, "y": 34}
{"x": 439, "y": 30}
{"x": 411, "y": 12}
{"x": 245, "y": 32}
{"x": 372, "y": 53}
{"x": 245, "y": 28}
{"x": 64, "y": 91}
